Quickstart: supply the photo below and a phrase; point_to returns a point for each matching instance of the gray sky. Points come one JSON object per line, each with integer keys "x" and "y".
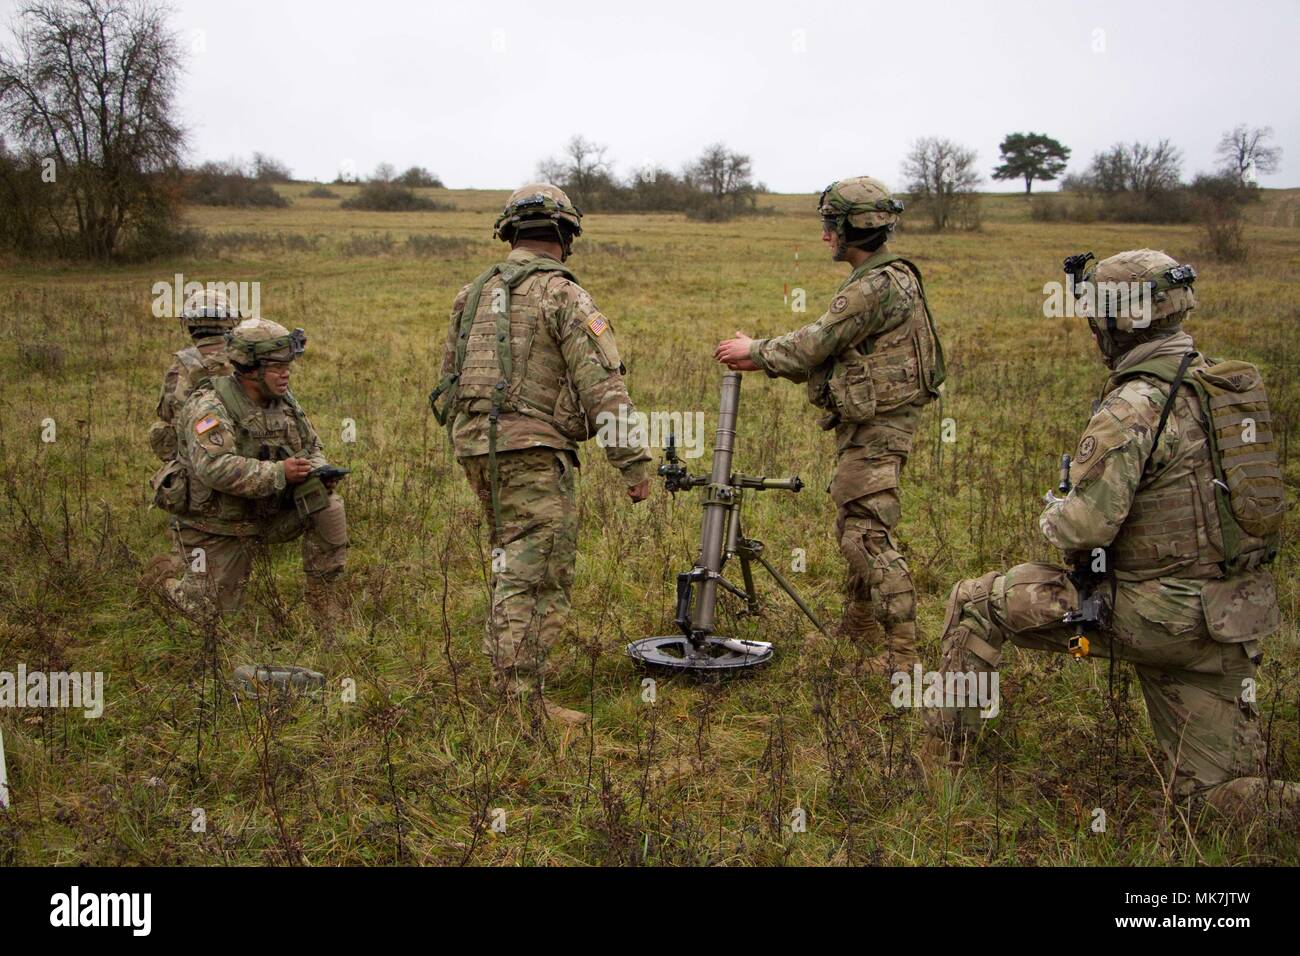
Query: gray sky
{"x": 478, "y": 92}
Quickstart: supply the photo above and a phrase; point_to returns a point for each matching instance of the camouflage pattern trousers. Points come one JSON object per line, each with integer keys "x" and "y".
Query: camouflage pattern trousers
{"x": 217, "y": 565}
{"x": 533, "y": 557}
{"x": 868, "y": 507}
{"x": 1194, "y": 686}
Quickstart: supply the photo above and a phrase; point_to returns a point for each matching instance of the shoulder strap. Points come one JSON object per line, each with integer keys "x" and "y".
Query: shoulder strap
{"x": 512, "y": 275}
{"x": 299, "y": 418}
{"x": 1174, "y": 385}
{"x": 230, "y": 396}
{"x": 192, "y": 360}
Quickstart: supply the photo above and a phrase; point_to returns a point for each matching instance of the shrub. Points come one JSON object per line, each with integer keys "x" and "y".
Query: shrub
{"x": 391, "y": 197}
{"x": 226, "y": 184}
{"x": 322, "y": 192}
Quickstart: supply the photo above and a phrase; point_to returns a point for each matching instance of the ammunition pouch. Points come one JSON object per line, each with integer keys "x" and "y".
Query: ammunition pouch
{"x": 162, "y": 440}
{"x": 171, "y": 488}
{"x": 852, "y": 392}
{"x": 1241, "y": 608}
{"x": 310, "y": 497}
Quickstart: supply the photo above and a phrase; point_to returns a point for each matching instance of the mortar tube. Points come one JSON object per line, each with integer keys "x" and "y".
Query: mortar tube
{"x": 715, "y": 512}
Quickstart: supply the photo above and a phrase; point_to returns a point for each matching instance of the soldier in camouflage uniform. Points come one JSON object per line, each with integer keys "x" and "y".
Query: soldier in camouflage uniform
{"x": 1184, "y": 594}
{"x": 248, "y": 449}
{"x": 871, "y": 362}
{"x": 531, "y": 369}
{"x": 207, "y": 317}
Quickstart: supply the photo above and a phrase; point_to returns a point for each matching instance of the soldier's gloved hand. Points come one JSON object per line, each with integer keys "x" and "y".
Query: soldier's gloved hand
{"x": 639, "y": 492}
{"x": 296, "y": 470}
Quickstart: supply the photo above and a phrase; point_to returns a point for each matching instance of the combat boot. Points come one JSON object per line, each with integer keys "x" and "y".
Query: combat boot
{"x": 1245, "y": 798}
{"x": 161, "y": 573}
{"x": 899, "y": 653}
{"x": 526, "y": 690}
{"x": 327, "y": 600}
{"x": 857, "y": 625}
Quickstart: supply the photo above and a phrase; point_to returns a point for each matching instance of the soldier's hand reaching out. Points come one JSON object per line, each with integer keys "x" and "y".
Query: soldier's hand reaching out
{"x": 734, "y": 353}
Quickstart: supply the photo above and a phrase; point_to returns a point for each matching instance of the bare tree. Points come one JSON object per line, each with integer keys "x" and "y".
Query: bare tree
{"x": 91, "y": 85}
{"x": 1244, "y": 152}
{"x": 941, "y": 176}
{"x": 583, "y": 166}
{"x": 384, "y": 173}
{"x": 268, "y": 169}
{"x": 1141, "y": 168}
{"x": 722, "y": 173}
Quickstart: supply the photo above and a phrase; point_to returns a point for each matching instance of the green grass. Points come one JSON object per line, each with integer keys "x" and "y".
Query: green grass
{"x": 415, "y": 769}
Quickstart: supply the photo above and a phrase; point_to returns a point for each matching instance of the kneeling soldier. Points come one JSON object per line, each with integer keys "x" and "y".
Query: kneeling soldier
{"x": 255, "y": 475}
{"x": 1173, "y": 510}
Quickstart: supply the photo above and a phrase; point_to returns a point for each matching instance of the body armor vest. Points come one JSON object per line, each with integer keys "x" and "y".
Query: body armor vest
{"x": 884, "y": 372}
{"x": 271, "y": 433}
{"x": 508, "y": 360}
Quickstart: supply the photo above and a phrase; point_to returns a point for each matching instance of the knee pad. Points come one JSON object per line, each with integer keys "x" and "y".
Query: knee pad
{"x": 893, "y": 588}
{"x": 959, "y": 640}
{"x": 331, "y": 523}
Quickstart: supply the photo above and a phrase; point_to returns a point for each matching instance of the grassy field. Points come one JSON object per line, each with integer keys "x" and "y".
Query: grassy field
{"x": 428, "y": 765}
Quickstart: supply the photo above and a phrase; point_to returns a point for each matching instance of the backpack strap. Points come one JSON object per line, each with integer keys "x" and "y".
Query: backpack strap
{"x": 512, "y": 275}
{"x": 1169, "y": 404}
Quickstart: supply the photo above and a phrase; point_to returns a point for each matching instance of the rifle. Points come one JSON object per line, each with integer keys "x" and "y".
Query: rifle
{"x": 697, "y": 647}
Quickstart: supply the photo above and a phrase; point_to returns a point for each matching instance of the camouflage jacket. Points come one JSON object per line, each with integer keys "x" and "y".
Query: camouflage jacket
{"x": 206, "y": 358}
{"x": 878, "y": 321}
{"x": 1164, "y": 541}
{"x": 565, "y": 389}
{"x": 234, "y": 450}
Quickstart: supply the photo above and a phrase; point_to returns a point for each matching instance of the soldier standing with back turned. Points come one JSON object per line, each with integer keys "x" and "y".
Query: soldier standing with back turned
{"x": 531, "y": 369}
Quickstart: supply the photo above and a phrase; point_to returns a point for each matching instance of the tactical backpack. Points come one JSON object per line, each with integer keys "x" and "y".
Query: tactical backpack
{"x": 1249, "y": 495}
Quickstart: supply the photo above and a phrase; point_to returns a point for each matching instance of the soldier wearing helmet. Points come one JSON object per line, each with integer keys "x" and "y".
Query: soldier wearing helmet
{"x": 248, "y": 453}
{"x": 530, "y": 370}
{"x": 1170, "y": 515}
{"x": 207, "y": 317}
{"x": 871, "y": 363}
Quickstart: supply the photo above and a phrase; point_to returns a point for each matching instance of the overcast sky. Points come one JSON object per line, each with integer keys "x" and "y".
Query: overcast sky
{"x": 812, "y": 91}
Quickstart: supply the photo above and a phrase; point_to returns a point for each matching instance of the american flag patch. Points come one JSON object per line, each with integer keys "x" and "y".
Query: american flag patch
{"x": 206, "y": 424}
{"x": 598, "y": 324}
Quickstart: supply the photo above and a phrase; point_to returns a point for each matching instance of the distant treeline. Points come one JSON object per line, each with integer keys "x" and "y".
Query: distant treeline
{"x": 716, "y": 186}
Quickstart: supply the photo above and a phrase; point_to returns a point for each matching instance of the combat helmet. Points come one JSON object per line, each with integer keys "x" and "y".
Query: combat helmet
{"x": 1132, "y": 296}
{"x": 857, "y": 208}
{"x": 255, "y": 342}
{"x": 208, "y": 312}
{"x": 539, "y": 207}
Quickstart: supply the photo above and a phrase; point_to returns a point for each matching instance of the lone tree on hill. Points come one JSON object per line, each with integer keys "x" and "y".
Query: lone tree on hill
{"x": 1031, "y": 156}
